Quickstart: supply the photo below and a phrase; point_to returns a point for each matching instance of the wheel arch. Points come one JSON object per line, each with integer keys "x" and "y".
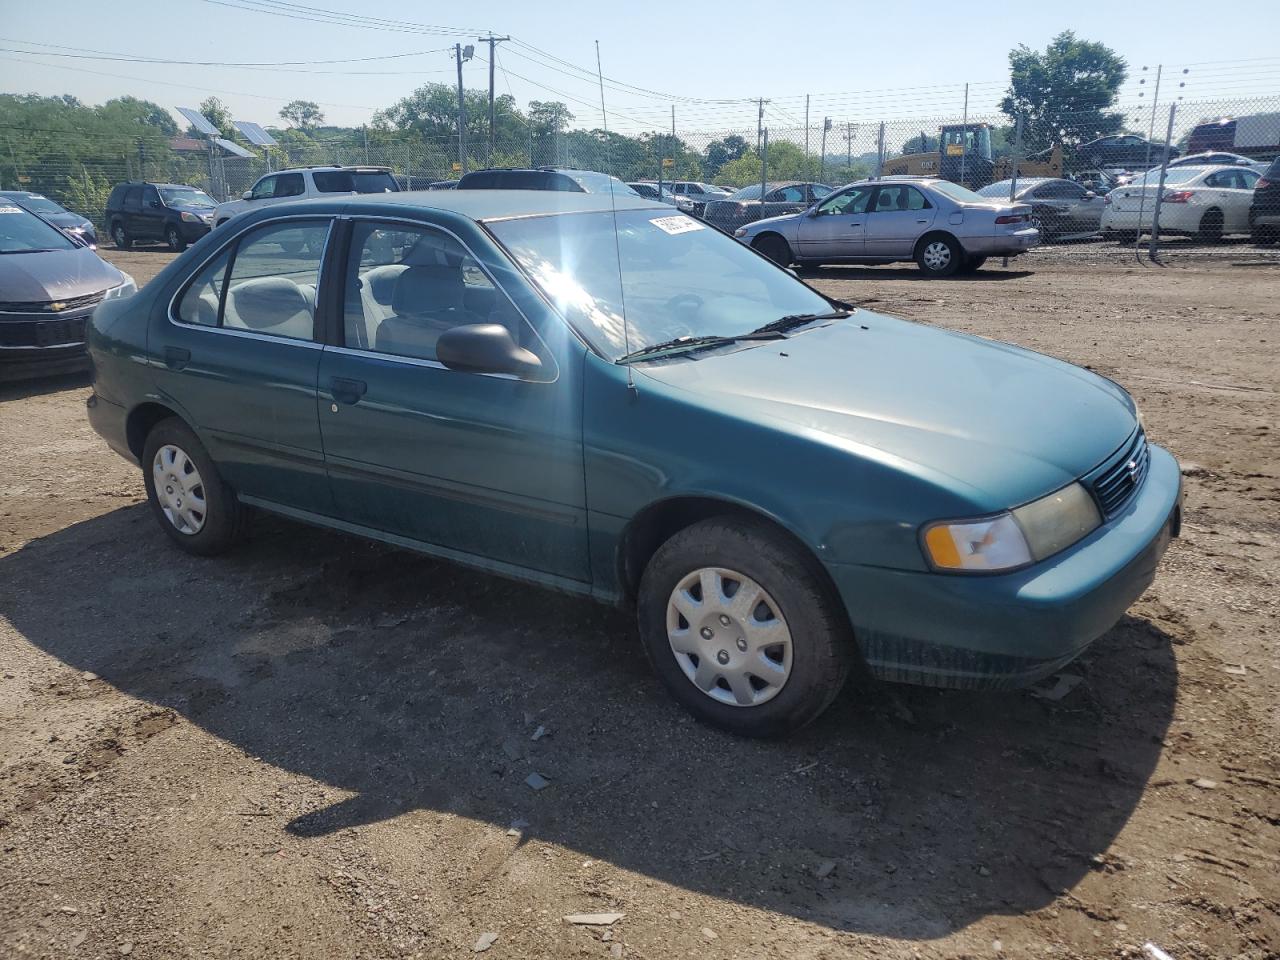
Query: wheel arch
{"x": 658, "y": 522}
{"x": 142, "y": 419}
{"x": 931, "y": 235}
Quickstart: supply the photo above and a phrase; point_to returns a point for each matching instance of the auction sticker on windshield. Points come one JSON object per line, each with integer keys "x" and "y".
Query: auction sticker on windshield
{"x": 674, "y": 225}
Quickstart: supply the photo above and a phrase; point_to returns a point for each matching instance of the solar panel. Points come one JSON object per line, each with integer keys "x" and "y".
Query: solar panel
{"x": 234, "y": 148}
{"x": 254, "y": 133}
{"x": 199, "y": 121}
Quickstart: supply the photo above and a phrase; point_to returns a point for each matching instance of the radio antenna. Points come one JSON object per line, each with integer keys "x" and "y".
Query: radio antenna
{"x": 613, "y": 207}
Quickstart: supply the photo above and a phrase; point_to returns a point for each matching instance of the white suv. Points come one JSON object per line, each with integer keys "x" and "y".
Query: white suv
{"x": 305, "y": 182}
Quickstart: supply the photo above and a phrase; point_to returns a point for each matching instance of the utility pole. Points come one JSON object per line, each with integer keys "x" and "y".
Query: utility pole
{"x": 964, "y": 136}
{"x": 461, "y": 54}
{"x": 822, "y": 163}
{"x": 848, "y": 143}
{"x": 492, "y": 41}
{"x": 760, "y": 122}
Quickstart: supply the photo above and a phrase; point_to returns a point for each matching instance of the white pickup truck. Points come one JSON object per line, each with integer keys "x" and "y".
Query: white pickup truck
{"x": 304, "y": 182}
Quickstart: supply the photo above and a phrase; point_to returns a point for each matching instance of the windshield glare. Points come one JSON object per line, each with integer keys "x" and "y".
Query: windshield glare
{"x": 38, "y": 204}
{"x": 680, "y": 278}
{"x": 188, "y": 196}
{"x": 21, "y": 232}
{"x": 1173, "y": 175}
{"x": 957, "y": 192}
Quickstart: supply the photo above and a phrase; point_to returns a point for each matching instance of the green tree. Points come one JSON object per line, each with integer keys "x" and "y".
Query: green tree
{"x": 303, "y": 114}
{"x": 216, "y": 112}
{"x": 720, "y": 152}
{"x": 1064, "y": 93}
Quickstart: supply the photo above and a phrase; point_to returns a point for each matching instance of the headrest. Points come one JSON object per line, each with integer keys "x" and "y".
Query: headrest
{"x": 381, "y": 282}
{"x": 427, "y": 290}
{"x": 266, "y": 302}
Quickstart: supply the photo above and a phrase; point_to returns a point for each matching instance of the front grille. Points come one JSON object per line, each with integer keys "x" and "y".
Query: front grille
{"x": 46, "y": 306}
{"x": 43, "y": 333}
{"x": 1116, "y": 485}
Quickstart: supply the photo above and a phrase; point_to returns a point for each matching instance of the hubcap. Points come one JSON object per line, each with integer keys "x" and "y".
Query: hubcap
{"x": 937, "y": 255}
{"x": 729, "y": 637}
{"x": 179, "y": 489}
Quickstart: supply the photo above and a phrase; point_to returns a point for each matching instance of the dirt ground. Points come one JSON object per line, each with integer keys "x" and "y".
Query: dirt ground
{"x": 317, "y": 747}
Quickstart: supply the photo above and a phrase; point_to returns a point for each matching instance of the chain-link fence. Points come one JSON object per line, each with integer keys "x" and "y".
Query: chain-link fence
{"x": 1107, "y": 154}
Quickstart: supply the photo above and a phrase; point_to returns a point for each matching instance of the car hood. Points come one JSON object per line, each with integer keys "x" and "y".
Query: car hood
{"x": 66, "y": 219}
{"x": 199, "y": 211}
{"x": 992, "y": 422}
{"x": 54, "y": 275}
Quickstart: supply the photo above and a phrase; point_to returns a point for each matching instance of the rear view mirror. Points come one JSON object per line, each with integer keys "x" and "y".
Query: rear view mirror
{"x": 485, "y": 348}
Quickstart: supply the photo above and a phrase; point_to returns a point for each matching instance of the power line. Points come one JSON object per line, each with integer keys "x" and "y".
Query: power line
{"x": 297, "y": 11}
{"x": 135, "y": 58}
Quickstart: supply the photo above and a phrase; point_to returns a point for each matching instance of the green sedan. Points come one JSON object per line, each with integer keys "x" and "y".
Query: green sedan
{"x": 605, "y": 396}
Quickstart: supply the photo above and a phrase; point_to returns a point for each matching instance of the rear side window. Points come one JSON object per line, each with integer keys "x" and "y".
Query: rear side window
{"x": 133, "y": 198}
{"x": 269, "y": 286}
{"x": 792, "y": 194}
{"x": 354, "y": 181}
{"x": 289, "y": 185}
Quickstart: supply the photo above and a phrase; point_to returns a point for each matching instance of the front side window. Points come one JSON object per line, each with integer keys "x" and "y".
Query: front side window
{"x": 679, "y": 277}
{"x": 853, "y": 200}
{"x": 270, "y": 287}
{"x": 819, "y": 190}
{"x": 405, "y": 286}
{"x": 264, "y": 188}
{"x": 791, "y": 194}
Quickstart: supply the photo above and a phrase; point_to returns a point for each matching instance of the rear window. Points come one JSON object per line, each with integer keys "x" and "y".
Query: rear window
{"x": 1273, "y": 171}
{"x": 354, "y": 181}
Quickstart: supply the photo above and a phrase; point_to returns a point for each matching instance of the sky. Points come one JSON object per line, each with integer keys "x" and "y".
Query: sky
{"x": 858, "y": 62}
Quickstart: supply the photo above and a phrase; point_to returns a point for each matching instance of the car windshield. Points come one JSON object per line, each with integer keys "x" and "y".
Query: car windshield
{"x": 23, "y": 232}
{"x": 1175, "y": 175}
{"x": 38, "y": 204}
{"x": 751, "y": 192}
{"x": 600, "y": 183}
{"x": 187, "y": 196}
{"x": 680, "y": 278}
{"x": 354, "y": 181}
{"x": 957, "y": 192}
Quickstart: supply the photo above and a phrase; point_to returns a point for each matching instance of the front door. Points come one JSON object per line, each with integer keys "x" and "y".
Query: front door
{"x": 900, "y": 215}
{"x": 835, "y": 228}
{"x": 487, "y": 465}
{"x": 240, "y": 359}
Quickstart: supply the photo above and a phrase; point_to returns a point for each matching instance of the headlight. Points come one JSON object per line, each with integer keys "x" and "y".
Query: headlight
{"x": 740, "y": 232}
{"x": 1014, "y": 539}
{"x": 126, "y": 289}
{"x": 190, "y": 217}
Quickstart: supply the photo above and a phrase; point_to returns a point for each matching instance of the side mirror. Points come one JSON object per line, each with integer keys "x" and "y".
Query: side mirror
{"x": 1090, "y": 195}
{"x": 247, "y": 195}
{"x": 485, "y": 348}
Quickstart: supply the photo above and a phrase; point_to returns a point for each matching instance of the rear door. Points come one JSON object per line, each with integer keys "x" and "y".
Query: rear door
{"x": 1232, "y": 192}
{"x": 836, "y": 228}
{"x": 133, "y": 219}
{"x": 240, "y": 355}
{"x": 900, "y": 213}
{"x": 487, "y": 465}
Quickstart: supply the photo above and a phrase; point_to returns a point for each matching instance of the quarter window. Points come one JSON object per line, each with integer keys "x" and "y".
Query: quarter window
{"x": 405, "y": 286}
{"x": 270, "y": 287}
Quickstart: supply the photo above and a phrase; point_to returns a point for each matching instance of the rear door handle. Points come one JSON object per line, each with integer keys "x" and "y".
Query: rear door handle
{"x": 175, "y": 358}
{"x": 347, "y": 391}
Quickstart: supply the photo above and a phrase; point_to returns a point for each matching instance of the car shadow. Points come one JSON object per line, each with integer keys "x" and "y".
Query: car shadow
{"x": 37, "y": 384}
{"x": 416, "y": 684}
{"x": 856, "y": 272}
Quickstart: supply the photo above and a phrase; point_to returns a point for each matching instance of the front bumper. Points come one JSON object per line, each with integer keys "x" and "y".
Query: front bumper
{"x": 1010, "y": 630}
{"x": 191, "y": 232}
{"x": 41, "y": 343}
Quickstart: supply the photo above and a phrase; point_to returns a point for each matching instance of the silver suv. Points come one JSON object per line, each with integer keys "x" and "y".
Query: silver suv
{"x": 304, "y": 182}
{"x": 942, "y": 226}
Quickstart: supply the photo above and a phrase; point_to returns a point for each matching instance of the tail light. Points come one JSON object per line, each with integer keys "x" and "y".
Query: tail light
{"x": 1106, "y": 200}
{"x": 1012, "y": 218}
{"x": 1178, "y": 196}
{"x": 1262, "y": 183}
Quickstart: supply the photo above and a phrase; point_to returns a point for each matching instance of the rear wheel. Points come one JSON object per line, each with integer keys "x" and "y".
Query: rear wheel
{"x": 120, "y": 237}
{"x": 742, "y": 629}
{"x": 1211, "y": 223}
{"x": 189, "y": 499}
{"x": 939, "y": 255}
{"x": 775, "y": 248}
{"x": 173, "y": 237}
{"x": 1125, "y": 237}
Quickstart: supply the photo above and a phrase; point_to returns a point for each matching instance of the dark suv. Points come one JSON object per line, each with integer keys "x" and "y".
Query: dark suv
{"x": 543, "y": 178}
{"x": 172, "y": 212}
{"x": 1264, "y": 211}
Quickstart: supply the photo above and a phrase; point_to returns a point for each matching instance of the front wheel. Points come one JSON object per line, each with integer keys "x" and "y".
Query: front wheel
{"x": 939, "y": 256}
{"x": 173, "y": 237}
{"x": 742, "y": 629}
{"x": 775, "y": 248}
{"x": 189, "y": 499}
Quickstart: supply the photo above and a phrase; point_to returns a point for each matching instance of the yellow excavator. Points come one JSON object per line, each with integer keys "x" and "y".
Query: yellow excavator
{"x": 964, "y": 156}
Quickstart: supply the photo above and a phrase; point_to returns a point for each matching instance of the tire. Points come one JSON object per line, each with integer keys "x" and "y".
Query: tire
{"x": 973, "y": 264}
{"x": 1263, "y": 236}
{"x": 798, "y": 678}
{"x": 173, "y": 237}
{"x": 120, "y": 237}
{"x": 1039, "y": 222}
{"x": 219, "y": 522}
{"x": 1211, "y": 224}
{"x": 775, "y": 248}
{"x": 1126, "y": 237}
{"x": 939, "y": 255}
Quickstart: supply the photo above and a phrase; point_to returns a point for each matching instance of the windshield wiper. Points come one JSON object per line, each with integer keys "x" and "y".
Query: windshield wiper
{"x": 676, "y": 345}
{"x": 793, "y": 320}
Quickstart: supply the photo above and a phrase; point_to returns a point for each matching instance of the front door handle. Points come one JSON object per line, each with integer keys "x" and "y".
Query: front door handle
{"x": 922, "y": 221}
{"x": 175, "y": 358}
{"x": 347, "y": 391}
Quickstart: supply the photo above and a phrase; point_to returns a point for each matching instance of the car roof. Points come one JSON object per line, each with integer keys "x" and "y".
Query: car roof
{"x": 493, "y": 204}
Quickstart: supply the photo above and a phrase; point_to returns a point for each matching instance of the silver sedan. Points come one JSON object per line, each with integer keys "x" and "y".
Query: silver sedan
{"x": 943, "y": 227}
